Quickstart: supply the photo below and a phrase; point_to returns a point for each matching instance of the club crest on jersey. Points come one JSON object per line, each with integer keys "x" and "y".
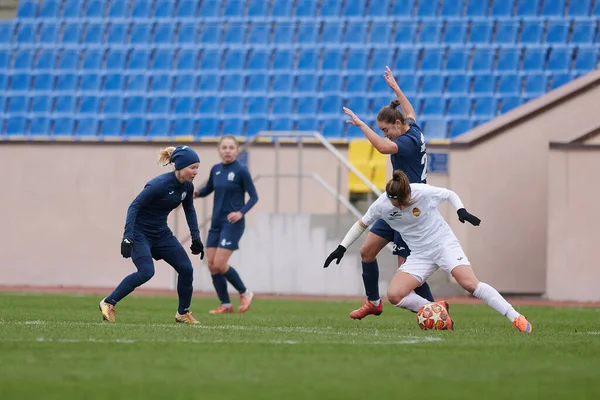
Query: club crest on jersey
{"x": 183, "y": 195}
{"x": 230, "y": 176}
{"x": 416, "y": 212}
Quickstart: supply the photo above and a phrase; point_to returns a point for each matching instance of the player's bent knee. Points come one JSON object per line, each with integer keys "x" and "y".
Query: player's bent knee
{"x": 469, "y": 284}
{"x": 367, "y": 253}
{"x": 395, "y": 297}
{"x": 145, "y": 276}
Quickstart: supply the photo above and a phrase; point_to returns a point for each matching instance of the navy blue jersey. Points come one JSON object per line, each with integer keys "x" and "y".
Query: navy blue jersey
{"x": 230, "y": 182}
{"x": 148, "y": 213}
{"x": 411, "y": 156}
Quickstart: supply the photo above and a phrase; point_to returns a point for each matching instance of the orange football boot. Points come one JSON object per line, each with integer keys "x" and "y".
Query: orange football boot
{"x": 367, "y": 308}
{"x": 522, "y": 324}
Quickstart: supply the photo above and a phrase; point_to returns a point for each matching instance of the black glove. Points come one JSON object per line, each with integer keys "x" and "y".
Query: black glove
{"x": 126, "y": 247}
{"x": 337, "y": 254}
{"x": 463, "y": 215}
{"x": 197, "y": 248}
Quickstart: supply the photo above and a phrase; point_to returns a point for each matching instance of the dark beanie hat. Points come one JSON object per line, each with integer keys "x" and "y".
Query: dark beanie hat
{"x": 184, "y": 156}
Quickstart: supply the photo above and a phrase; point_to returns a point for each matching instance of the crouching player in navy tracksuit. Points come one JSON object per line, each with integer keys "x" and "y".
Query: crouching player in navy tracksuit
{"x": 148, "y": 236}
{"x": 230, "y": 181}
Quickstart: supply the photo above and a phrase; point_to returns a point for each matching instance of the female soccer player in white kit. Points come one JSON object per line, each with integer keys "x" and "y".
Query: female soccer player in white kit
{"x": 411, "y": 210}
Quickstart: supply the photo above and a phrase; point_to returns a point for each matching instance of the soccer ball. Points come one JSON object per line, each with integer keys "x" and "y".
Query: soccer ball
{"x": 432, "y": 316}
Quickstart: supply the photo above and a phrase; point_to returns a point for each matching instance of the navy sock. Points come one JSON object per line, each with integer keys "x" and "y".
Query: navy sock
{"x": 234, "y": 278}
{"x": 370, "y": 275}
{"x": 185, "y": 289}
{"x": 220, "y": 284}
{"x": 425, "y": 292}
{"x": 145, "y": 272}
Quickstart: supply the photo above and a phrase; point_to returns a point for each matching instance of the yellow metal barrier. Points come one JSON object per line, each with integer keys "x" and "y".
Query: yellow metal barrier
{"x": 370, "y": 162}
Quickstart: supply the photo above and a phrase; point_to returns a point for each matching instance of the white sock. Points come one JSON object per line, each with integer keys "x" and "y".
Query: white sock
{"x": 495, "y": 300}
{"x": 413, "y": 302}
{"x": 375, "y": 302}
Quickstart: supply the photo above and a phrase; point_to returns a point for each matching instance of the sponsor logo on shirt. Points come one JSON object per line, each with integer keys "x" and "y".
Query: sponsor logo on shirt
{"x": 394, "y": 215}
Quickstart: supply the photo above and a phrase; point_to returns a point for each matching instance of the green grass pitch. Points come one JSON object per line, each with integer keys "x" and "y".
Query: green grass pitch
{"x": 57, "y": 347}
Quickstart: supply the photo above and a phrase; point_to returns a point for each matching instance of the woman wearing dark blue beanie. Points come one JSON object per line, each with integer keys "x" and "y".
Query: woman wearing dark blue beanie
{"x": 147, "y": 235}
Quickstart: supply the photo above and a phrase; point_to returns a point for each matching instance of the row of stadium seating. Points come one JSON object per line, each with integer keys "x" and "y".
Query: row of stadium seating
{"x": 228, "y": 8}
{"x": 430, "y": 59}
{"x": 504, "y": 31}
{"x": 203, "y": 84}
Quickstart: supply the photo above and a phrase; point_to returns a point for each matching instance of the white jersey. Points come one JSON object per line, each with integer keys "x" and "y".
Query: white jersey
{"x": 421, "y": 224}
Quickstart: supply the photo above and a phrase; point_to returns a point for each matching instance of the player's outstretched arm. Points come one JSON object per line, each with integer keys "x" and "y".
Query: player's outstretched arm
{"x": 354, "y": 233}
{"x": 407, "y": 108}
{"x": 383, "y": 146}
{"x": 439, "y": 195}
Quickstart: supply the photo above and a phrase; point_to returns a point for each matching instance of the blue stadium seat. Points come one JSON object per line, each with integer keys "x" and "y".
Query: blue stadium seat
{"x": 579, "y": 7}
{"x": 427, "y": 8}
{"x": 258, "y": 82}
{"x": 20, "y": 82}
{"x": 510, "y": 103}
{"x": 27, "y": 9}
{"x": 18, "y": 104}
{"x": 508, "y": 59}
{"x": 65, "y": 104}
{"x": 477, "y": 8}
{"x": 457, "y": 59}
{"x": 187, "y": 59}
{"x": 210, "y": 8}
{"x": 485, "y": 107}
{"x": 66, "y": 82}
{"x": 554, "y": 8}
{"x": 208, "y": 126}
{"x": 380, "y": 34}
{"x": 117, "y": 32}
{"x": 260, "y": 33}
{"x": 94, "y": 9}
{"x": 90, "y": 105}
{"x": 92, "y": 59}
{"x": 187, "y": 9}
{"x": 232, "y": 126}
{"x": 49, "y": 9}
{"x": 160, "y": 83}
{"x": 27, "y": 32}
{"x": 113, "y": 82}
{"x": 233, "y": 83}
{"x": 63, "y": 126}
{"x": 382, "y": 57}
{"x": 135, "y": 105}
{"x": 430, "y": 32}
{"x": 43, "y": 82}
{"x": 41, "y": 104}
{"x": 379, "y": 85}
{"x": 532, "y": 32}
{"x": 330, "y": 8}
{"x": 45, "y": 60}
{"x": 282, "y": 104}
{"x": 48, "y": 33}
{"x": 436, "y": 128}
{"x": 233, "y": 105}
{"x": 115, "y": 60}
{"x": 140, "y": 33}
{"x": 330, "y": 104}
{"x": 356, "y": 32}
{"x": 306, "y": 124}
{"x": 481, "y": 32}
{"x": 406, "y": 60}
{"x": 308, "y": 59}
{"x": 211, "y": 33}
{"x": 452, "y": 8}
{"x": 209, "y": 105}
{"x": 583, "y": 31}
{"x": 534, "y": 59}
{"x": 118, "y": 9}
{"x": 234, "y": 8}
{"x": 379, "y": 8}
{"x": 356, "y": 82}
{"x": 187, "y": 33}
{"x": 506, "y": 31}
{"x": 258, "y": 105}
{"x": 459, "y": 106}
{"x": 39, "y": 126}
{"x": 71, "y": 33}
{"x": 111, "y": 126}
{"x": 536, "y": 84}
{"x": 284, "y": 32}
{"x": 559, "y": 80}
{"x": 403, "y": 8}
{"x": 332, "y": 59}
{"x": 558, "y": 32}
{"x": 502, "y": 8}
{"x": 258, "y": 8}
{"x": 509, "y": 84}
{"x": 255, "y": 124}
{"x": 332, "y": 82}
{"x": 235, "y": 33}
{"x": 527, "y": 8}
{"x": 405, "y": 32}
{"x": 587, "y": 59}
{"x": 162, "y": 60}
{"x": 308, "y": 32}
{"x": 184, "y": 105}
{"x": 140, "y": 9}
{"x": 235, "y": 59}
{"x": 281, "y": 123}
{"x": 333, "y": 126}
{"x": 332, "y": 32}
{"x": 283, "y": 8}
{"x": 135, "y": 126}
{"x": 434, "y": 106}
{"x": 163, "y": 9}
{"x": 432, "y": 59}
{"x": 460, "y": 126}
{"x": 160, "y": 105}
{"x": 484, "y": 84}
{"x": 359, "y": 105}
{"x": 136, "y": 82}
{"x": 307, "y": 82}
{"x": 72, "y": 9}
{"x": 183, "y": 126}
{"x": 163, "y": 33}
{"x": 433, "y": 84}
{"x": 458, "y": 84}
{"x": 560, "y": 59}
{"x": 94, "y": 33}
{"x": 185, "y": 83}
{"x": 139, "y": 60}
{"x": 455, "y": 32}
{"x": 354, "y": 8}
{"x": 69, "y": 59}
{"x": 23, "y": 59}
{"x": 210, "y": 82}
{"x": 87, "y": 126}
{"x": 113, "y": 105}
{"x": 259, "y": 59}
{"x": 16, "y": 125}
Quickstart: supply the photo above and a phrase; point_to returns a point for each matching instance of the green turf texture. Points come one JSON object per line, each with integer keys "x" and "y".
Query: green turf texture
{"x": 57, "y": 347}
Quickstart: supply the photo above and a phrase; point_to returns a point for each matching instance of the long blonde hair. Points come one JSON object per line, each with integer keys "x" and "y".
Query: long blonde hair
{"x": 164, "y": 155}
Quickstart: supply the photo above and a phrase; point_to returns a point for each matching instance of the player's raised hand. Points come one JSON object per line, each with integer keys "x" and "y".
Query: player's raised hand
{"x": 464, "y": 215}
{"x": 337, "y": 255}
{"x": 354, "y": 120}
{"x": 389, "y": 79}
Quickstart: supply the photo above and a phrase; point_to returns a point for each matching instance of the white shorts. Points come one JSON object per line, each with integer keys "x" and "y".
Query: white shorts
{"x": 447, "y": 255}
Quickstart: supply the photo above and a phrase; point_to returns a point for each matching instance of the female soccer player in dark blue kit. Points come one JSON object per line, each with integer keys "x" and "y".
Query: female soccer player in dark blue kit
{"x": 230, "y": 181}
{"x": 407, "y": 150}
{"x": 148, "y": 236}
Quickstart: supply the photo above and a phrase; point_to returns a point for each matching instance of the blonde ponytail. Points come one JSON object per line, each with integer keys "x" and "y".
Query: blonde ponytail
{"x": 164, "y": 156}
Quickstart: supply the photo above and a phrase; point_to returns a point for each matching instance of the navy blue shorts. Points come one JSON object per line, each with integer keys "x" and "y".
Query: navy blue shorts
{"x": 226, "y": 235}
{"x": 382, "y": 229}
